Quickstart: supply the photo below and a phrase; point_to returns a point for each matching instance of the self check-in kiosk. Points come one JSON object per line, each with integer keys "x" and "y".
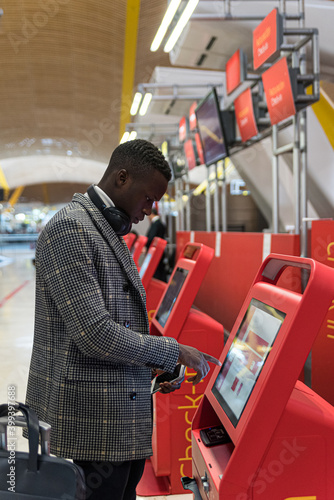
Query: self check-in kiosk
{"x": 258, "y": 432}
{"x": 151, "y": 261}
{"x": 137, "y": 248}
{"x": 175, "y": 317}
{"x": 129, "y": 239}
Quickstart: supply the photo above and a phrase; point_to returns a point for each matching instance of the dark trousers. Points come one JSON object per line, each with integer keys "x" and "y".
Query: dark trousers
{"x": 112, "y": 480}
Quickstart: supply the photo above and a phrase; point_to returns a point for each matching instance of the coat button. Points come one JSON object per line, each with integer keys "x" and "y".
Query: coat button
{"x": 126, "y": 287}
{"x": 133, "y": 396}
{"x": 126, "y": 323}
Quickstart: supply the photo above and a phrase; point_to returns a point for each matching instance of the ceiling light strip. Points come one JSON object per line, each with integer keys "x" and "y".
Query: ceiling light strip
{"x": 129, "y": 61}
{"x": 167, "y": 19}
{"x": 185, "y": 16}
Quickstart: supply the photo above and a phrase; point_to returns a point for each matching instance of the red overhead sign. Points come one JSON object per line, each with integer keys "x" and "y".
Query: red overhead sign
{"x": 278, "y": 91}
{"x": 267, "y": 38}
{"x": 183, "y": 129}
{"x": 234, "y": 71}
{"x": 192, "y": 116}
{"x": 199, "y": 148}
{"x": 244, "y": 113}
{"x": 189, "y": 151}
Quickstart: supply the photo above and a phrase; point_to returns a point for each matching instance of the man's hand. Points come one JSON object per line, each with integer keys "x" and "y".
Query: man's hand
{"x": 197, "y": 360}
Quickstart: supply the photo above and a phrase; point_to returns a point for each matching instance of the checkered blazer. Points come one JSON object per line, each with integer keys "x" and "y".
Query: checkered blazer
{"x": 92, "y": 355}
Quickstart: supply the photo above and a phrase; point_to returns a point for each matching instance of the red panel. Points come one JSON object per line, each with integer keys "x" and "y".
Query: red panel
{"x": 322, "y": 243}
{"x": 244, "y": 114}
{"x": 230, "y": 275}
{"x": 192, "y": 116}
{"x": 265, "y": 39}
{"x": 233, "y": 73}
{"x": 189, "y": 151}
{"x": 199, "y": 148}
{"x": 279, "y": 96}
{"x": 182, "y": 129}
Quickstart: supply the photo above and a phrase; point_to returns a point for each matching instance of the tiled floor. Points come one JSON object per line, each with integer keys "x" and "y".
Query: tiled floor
{"x": 17, "y": 294}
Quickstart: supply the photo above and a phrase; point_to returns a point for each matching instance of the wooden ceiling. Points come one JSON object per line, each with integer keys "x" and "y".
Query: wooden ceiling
{"x": 65, "y": 83}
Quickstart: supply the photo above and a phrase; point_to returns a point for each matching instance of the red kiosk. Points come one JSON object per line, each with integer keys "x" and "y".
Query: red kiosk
{"x": 151, "y": 261}
{"x": 175, "y": 317}
{"x": 129, "y": 239}
{"x": 258, "y": 432}
{"x": 137, "y": 248}
{"x": 154, "y": 288}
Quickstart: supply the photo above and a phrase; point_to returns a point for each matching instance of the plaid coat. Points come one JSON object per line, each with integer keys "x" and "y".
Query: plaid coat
{"x": 92, "y": 354}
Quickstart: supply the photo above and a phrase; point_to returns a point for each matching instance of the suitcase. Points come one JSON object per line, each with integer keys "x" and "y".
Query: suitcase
{"x": 29, "y": 475}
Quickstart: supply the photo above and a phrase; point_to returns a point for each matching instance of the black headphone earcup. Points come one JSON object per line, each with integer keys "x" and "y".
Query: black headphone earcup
{"x": 117, "y": 218}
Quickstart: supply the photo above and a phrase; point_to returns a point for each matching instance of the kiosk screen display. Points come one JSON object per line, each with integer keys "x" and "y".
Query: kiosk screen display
{"x": 210, "y": 128}
{"x": 145, "y": 264}
{"x": 246, "y": 357}
{"x": 171, "y": 295}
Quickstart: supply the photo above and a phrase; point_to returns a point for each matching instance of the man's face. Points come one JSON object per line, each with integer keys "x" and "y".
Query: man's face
{"x": 139, "y": 195}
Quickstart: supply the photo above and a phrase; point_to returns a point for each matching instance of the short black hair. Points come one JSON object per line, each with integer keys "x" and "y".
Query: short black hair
{"x": 139, "y": 157}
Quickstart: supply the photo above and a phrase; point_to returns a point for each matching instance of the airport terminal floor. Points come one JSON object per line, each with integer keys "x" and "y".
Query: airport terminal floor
{"x": 17, "y": 295}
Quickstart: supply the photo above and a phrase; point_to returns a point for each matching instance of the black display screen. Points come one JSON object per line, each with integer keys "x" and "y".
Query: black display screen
{"x": 171, "y": 295}
{"x": 210, "y": 128}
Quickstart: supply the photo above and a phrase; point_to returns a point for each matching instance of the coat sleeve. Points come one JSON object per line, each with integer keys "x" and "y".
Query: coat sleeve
{"x": 67, "y": 255}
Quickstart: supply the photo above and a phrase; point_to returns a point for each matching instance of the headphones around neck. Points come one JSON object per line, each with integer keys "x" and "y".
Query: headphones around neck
{"x": 117, "y": 218}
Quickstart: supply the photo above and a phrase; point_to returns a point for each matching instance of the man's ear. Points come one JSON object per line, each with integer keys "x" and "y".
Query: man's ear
{"x": 122, "y": 177}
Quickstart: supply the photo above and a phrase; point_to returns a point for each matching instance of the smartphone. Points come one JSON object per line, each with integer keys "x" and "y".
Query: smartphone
{"x": 176, "y": 376}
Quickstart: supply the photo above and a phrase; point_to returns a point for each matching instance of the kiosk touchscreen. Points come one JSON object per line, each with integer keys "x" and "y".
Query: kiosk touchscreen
{"x": 175, "y": 317}
{"x": 152, "y": 259}
{"x": 259, "y": 433}
{"x": 137, "y": 248}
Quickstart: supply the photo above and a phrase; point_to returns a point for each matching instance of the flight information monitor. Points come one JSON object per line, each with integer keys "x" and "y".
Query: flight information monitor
{"x": 211, "y": 129}
{"x": 246, "y": 358}
{"x": 171, "y": 295}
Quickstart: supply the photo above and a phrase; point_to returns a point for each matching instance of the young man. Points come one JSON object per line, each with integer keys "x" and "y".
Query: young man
{"x": 92, "y": 358}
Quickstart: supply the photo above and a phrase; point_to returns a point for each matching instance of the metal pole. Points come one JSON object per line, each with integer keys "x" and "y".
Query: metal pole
{"x": 296, "y": 171}
{"x": 188, "y": 205}
{"x": 304, "y": 196}
{"x": 182, "y": 226}
{"x": 208, "y": 202}
{"x": 224, "y": 200}
{"x": 216, "y": 200}
{"x": 275, "y": 182}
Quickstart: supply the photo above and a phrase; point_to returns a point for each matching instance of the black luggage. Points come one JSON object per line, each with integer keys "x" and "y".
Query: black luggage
{"x": 33, "y": 476}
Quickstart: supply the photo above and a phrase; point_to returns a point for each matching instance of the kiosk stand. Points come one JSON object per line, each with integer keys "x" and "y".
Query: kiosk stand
{"x": 259, "y": 433}
{"x": 175, "y": 317}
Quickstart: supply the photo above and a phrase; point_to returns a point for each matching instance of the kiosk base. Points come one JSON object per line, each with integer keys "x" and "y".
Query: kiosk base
{"x": 151, "y": 485}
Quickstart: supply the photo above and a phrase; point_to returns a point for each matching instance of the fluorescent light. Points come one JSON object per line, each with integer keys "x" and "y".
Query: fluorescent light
{"x": 132, "y": 135}
{"x": 125, "y": 137}
{"x": 135, "y": 103}
{"x": 145, "y": 103}
{"x": 185, "y": 16}
{"x": 168, "y": 17}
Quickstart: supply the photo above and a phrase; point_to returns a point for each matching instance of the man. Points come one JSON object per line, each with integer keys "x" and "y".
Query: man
{"x": 92, "y": 357}
{"x": 157, "y": 228}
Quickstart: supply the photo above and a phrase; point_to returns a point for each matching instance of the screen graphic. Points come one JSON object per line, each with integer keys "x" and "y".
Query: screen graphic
{"x": 171, "y": 295}
{"x": 246, "y": 357}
